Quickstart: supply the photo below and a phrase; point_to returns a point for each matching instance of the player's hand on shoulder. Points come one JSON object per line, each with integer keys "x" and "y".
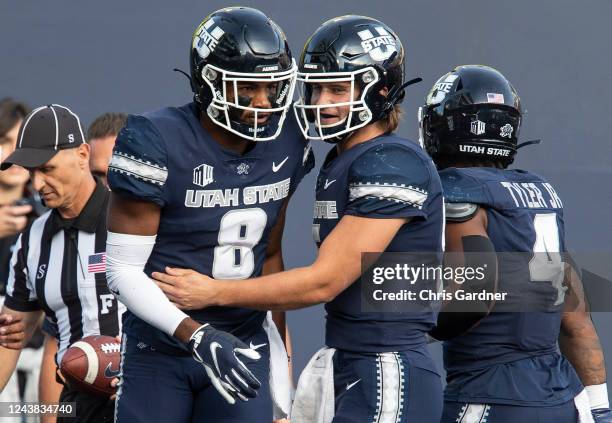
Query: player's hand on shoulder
{"x": 12, "y": 331}
{"x": 602, "y": 415}
{"x": 187, "y": 289}
{"x": 221, "y": 355}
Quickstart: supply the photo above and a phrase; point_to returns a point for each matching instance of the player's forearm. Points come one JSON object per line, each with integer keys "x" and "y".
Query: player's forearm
{"x": 292, "y": 289}
{"x": 582, "y": 348}
{"x": 8, "y": 362}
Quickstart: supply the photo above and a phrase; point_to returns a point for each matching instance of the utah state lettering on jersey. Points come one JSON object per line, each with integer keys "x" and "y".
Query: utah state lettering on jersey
{"x": 509, "y": 357}
{"x": 387, "y": 177}
{"x": 217, "y": 207}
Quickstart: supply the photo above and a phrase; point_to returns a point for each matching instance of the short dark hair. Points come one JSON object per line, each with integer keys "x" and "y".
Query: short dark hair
{"x": 106, "y": 125}
{"x": 11, "y": 112}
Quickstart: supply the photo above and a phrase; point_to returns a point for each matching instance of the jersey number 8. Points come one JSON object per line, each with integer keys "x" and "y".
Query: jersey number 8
{"x": 239, "y": 232}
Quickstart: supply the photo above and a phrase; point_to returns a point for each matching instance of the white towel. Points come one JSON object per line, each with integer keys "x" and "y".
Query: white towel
{"x": 314, "y": 397}
{"x": 280, "y": 383}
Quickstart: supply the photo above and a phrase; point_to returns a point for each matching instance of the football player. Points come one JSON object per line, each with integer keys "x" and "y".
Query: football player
{"x": 506, "y": 367}
{"x": 376, "y": 192}
{"x": 200, "y": 186}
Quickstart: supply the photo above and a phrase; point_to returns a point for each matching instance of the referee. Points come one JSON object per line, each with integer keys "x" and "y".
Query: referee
{"x": 58, "y": 264}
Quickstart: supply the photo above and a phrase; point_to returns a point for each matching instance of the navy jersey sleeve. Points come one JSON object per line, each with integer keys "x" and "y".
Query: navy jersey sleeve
{"x": 20, "y": 292}
{"x": 139, "y": 166}
{"x": 307, "y": 164}
{"x": 461, "y": 187}
{"x": 388, "y": 181}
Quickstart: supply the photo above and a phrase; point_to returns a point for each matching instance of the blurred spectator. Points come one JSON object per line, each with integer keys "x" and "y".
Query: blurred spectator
{"x": 13, "y": 217}
{"x": 18, "y": 207}
{"x": 101, "y": 137}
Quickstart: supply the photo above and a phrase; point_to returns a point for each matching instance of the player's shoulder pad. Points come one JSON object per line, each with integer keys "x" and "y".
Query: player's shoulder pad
{"x": 527, "y": 176}
{"x": 390, "y": 171}
{"x": 140, "y": 152}
{"x": 390, "y": 163}
{"x": 139, "y": 166}
{"x": 463, "y": 185}
{"x": 460, "y": 212}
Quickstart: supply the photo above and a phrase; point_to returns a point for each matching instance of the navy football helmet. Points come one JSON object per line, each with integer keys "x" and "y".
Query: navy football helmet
{"x": 355, "y": 49}
{"x": 238, "y": 45}
{"x": 472, "y": 111}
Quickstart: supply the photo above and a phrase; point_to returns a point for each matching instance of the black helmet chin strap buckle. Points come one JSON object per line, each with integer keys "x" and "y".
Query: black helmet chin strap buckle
{"x": 526, "y": 143}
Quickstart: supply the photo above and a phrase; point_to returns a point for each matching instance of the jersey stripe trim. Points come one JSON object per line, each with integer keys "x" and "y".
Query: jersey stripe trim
{"x": 474, "y": 413}
{"x": 130, "y": 165}
{"x": 397, "y": 193}
{"x": 390, "y": 392}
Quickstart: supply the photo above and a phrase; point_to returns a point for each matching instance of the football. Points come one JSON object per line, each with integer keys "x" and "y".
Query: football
{"x": 90, "y": 364}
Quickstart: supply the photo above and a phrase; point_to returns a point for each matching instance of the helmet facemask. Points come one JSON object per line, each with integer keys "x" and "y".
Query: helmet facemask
{"x": 309, "y": 116}
{"x": 228, "y": 105}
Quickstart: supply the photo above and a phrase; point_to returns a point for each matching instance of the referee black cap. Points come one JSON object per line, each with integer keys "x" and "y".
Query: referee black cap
{"x": 44, "y": 132}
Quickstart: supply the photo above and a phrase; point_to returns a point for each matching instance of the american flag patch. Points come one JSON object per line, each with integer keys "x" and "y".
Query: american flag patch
{"x": 495, "y": 98}
{"x": 96, "y": 263}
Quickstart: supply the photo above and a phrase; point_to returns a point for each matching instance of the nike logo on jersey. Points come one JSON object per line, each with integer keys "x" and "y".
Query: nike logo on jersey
{"x": 350, "y": 385}
{"x": 213, "y": 351}
{"x": 254, "y": 347}
{"x": 110, "y": 373}
{"x": 276, "y": 168}
{"x": 328, "y": 183}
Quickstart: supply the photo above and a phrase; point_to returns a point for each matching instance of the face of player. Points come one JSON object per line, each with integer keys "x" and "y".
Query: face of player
{"x": 101, "y": 150}
{"x": 258, "y": 95}
{"x": 330, "y": 93}
{"x": 59, "y": 180}
{"x": 14, "y": 176}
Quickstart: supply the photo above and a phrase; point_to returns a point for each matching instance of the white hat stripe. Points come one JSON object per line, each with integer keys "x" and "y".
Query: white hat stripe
{"x": 56, "y": 127}
{"x": 77, "y": 119}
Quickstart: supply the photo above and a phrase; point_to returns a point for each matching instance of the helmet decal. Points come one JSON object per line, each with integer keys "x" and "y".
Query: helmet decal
{"x": 206, "y": 39}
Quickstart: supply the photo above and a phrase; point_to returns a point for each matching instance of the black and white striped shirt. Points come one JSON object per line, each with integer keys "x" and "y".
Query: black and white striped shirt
{"x": 59, "y": 266}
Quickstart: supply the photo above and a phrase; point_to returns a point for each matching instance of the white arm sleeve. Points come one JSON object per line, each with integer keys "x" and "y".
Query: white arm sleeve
{"x": 126, "y": 256}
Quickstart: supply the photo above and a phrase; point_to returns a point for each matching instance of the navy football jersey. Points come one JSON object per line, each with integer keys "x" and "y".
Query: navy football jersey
{"x": 217, "y": 206}
{"x": 512, "y": 357}
{"x": 386, "y": 177}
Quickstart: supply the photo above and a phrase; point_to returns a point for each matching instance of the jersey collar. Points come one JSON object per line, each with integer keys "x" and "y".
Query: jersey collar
{"x": 87, "y": 220}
